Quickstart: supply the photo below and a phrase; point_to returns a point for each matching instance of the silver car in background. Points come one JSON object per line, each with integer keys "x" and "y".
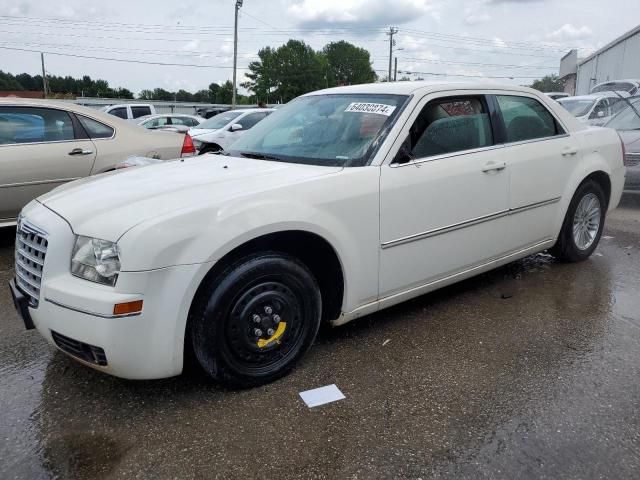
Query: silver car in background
{"x": 175, "y": 122}
{"x": 627, "y": 123}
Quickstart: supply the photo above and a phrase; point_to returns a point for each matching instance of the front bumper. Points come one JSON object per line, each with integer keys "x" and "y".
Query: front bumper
{"x": 77, "y": 316}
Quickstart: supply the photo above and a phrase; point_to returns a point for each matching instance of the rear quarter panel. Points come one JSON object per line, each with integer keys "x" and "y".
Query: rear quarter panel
{"x": 601, "y": 151}
{"x": 131, "y": 140}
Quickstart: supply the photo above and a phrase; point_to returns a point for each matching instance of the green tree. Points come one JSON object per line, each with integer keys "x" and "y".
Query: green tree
{"x": 549, "y": 83}
{"x": 287, "y": 72}
{"x": 225, "y": 94}
{"x": 146, "y": 95}
{"x": 348, "y": 64}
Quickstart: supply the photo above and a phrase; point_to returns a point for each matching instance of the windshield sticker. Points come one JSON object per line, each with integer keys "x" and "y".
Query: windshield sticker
{"x": 378, "y": 108}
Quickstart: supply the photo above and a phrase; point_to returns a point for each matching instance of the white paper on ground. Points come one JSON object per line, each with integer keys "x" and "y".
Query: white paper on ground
{"x": 322, "y": 395}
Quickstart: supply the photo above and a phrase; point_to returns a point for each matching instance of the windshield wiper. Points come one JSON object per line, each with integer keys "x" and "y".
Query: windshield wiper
{"x": 259, "y": 156}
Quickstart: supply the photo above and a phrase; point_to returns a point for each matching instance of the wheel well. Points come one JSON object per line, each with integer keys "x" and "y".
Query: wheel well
{"x": 602, "y": 179}
{"x": 312, "y": 250}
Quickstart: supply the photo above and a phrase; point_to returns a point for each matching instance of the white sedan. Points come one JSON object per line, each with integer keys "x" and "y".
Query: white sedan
{"x": 344, "y": 202}
{"x": 220, "y": 131}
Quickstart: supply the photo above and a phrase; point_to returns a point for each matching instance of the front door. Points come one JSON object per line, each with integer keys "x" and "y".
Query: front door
{"x": 443, "y": 203}
{"x": 38, "y": 151}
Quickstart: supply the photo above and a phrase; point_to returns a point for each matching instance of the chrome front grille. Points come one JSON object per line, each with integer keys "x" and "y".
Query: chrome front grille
{"x": 31, "y": 250}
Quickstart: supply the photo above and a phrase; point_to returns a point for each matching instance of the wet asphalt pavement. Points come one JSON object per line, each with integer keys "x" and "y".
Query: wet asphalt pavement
{"x": 530, "y": 371}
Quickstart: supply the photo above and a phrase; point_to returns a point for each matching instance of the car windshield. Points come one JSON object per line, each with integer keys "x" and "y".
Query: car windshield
{"x": 219, "y": 121}
{"x": 627, "y": 119}
{"x": 577, "y": 107}
{"x": 612, "y": 87}
{"x": 330, "y": 129}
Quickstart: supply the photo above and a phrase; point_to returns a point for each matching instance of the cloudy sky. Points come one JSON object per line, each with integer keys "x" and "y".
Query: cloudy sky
{"x": 516, "y": 39}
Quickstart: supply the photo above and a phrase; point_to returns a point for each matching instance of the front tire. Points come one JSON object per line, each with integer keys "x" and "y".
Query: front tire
{"x": 251, "y": 323}
{"x": 583, "y": 224}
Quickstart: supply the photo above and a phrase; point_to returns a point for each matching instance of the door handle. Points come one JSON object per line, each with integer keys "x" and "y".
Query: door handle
{"x": 569, "y": 151}
{"x": 80, "y": 151}
{"x": 494, "y": 167}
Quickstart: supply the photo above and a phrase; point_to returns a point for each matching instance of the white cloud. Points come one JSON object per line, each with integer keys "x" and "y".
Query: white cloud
{"x": 499, "y": 43}
{"x": 569, "y": 32}
{"x": 328, "y": 13}
{"x": 476, "y": 13}
{"x": 191, "y": 46}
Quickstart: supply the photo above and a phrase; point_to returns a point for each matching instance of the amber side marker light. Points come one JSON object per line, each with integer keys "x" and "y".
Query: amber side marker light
{"x": 127, "y": 308}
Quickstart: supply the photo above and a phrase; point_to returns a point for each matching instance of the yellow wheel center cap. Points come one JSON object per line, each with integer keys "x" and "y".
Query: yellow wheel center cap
{"x": 262, "y": 343}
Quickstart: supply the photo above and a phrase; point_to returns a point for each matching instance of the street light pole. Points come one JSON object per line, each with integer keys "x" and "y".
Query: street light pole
{"x": 45, "y": 86}
{"x": 235, "y": 52}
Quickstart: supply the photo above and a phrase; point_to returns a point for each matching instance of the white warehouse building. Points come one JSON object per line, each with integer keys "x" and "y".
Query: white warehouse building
{"x": 618, "y": 60}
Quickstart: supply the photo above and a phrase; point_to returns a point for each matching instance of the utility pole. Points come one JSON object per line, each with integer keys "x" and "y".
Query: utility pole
{"x": 392, "y": 31}
{"x": 45, "y": 86}
{"x": 395, "y": 70}
{"x": 235, "y": 52}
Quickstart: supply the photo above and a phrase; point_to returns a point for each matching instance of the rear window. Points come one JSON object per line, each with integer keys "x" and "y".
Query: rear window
{"x": 140, "y": 111}
{"x": 526, "y": 118}
{"x": 94, "y": 128}
{"x": 34, "y": 125}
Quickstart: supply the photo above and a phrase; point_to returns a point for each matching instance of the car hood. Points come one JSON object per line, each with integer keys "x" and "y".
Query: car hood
{"x": 631, "y": 139}
{"x": 107, "y": 205}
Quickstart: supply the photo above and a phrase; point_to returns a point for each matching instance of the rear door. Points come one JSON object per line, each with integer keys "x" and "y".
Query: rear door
{"x": 540, "y": 156}
{"x": 40, "y": 148}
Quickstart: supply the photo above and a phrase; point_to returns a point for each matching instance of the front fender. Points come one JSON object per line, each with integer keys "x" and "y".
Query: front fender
{"x": 345, "y": 214}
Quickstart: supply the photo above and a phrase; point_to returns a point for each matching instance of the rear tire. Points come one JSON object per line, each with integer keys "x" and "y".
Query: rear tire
{"x": 251, "y": 323}
{"x": 583, "y": 224}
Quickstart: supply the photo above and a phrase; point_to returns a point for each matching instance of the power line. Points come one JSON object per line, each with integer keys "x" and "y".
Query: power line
{"x": 122, "y": 59}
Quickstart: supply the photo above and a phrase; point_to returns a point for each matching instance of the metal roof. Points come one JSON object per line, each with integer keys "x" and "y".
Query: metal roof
{"x": 611, "y": 44}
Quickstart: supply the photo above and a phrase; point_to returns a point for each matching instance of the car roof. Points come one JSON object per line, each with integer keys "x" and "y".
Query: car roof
{"x": 423, "y": 87}
{"x": 68, "y": 105}
{"x": 250, "y": 110}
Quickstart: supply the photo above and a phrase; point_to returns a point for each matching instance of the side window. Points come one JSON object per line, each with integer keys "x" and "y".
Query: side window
{"x": 617, "y": 105}
{"x": 600, "y": 110}
{"x": 30, "y": 125}
{"x": 94, "y": 128}
{"x": 526, "y": 118}
{"x": 157, "y": 122}
{"x": 451, "y": 125}
{"x": 181, "y": 121}
{"x": 119, "y": 112}
{"x": 140, "y": 111}
{"x": 250, "y": 120}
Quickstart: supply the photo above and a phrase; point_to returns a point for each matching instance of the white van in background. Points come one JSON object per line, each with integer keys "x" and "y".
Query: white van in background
{"x": 130, "y": 111}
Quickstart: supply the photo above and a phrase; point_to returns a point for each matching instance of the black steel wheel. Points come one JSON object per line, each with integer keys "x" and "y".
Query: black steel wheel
{"x": 253, "y": 321}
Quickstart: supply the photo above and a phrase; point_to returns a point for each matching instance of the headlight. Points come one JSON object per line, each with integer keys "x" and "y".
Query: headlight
{"x": 96, "y": 260}
{"x": 197, "y": 143}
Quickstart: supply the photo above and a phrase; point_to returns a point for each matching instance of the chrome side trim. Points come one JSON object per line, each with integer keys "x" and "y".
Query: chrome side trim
{"x": 87, "y": 312}
{"x": 467, "y": 223}
{"x": 447, "y": 229}
{"x": 38, "y": 182}
{"x": 531, "y": 206}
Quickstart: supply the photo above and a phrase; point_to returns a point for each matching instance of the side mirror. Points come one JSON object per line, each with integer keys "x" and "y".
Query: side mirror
{"x": 235, "y": 127}
{"x": 404, "y": 153}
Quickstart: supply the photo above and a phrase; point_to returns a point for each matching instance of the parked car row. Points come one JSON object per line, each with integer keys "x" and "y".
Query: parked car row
{"x": 44, "y": 144}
